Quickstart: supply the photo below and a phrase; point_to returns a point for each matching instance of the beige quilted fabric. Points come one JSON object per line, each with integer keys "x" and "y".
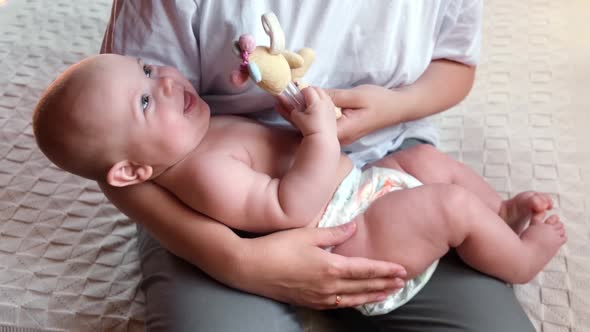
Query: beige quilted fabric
{"x": 68, "y": 260}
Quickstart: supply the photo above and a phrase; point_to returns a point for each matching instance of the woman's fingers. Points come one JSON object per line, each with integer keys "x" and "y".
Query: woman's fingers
{"x": 345, "y": 98}
{"x": 352, "y": 300}
{"x": 323, "y": 94}
{"x": 357, "y": 292}
{"x": 351, "y": 267}
{"x": 365, "y": 286}
{"x": 331, "y": 236}
{"x": 311, "y": 95}
{"x": 359, "y": 268}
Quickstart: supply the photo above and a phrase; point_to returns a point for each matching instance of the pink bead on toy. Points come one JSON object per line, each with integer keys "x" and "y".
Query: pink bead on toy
{"x": 247, "y": 43}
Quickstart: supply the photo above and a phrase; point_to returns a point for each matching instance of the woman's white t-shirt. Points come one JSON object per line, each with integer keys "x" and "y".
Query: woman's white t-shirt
{"x": 384, "y": 42}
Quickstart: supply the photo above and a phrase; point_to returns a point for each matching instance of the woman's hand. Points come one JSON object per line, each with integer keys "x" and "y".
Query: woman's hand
{"x": 292, "y": 266}
{"x": 365, "y": 109}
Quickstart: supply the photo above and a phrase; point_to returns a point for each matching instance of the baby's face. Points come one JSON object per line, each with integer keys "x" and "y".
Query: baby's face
{"x": 153, "y": 109}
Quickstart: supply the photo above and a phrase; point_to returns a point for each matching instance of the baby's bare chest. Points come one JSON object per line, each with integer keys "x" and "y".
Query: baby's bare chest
{"x": 264, "y": 149}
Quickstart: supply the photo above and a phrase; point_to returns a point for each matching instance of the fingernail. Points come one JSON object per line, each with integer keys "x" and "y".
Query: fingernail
{"x": 400, "y": 283}
{"x": 402, "y": 272}
{"x": 348, "y": 226}
{"x": 393, "y": 290}
{"x": 382, "y": 297}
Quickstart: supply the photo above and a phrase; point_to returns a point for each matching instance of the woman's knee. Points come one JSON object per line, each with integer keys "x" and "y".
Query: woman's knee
{"x": 423, "y": 161}
{"x": 459, "y": 298}
{"x": 426, "y": 153}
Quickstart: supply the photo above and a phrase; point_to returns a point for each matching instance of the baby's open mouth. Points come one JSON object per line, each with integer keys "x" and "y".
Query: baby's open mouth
{"x": 189, "y": 101}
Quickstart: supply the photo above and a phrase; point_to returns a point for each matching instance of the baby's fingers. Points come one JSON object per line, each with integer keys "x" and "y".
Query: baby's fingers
{"x": 311, "y": 95}
{"x": 282, "y": 107}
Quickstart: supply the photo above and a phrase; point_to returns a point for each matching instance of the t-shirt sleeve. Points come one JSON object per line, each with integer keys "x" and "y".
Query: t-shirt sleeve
{"x": 160, "y": 32}
{"x": 459, "y": 37}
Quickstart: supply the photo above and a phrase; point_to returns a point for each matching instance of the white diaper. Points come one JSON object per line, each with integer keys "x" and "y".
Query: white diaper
{"x": 354, "y": 195}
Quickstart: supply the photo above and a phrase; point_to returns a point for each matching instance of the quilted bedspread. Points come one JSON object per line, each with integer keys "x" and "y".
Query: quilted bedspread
{"x": 68, "y": 258}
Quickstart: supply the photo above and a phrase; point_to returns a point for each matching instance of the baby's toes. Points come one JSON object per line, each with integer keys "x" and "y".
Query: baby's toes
{"x": 553, "y": 220}
{"x": 559, "y": 228}
{"x": 557, "y": 225}
{"x": 538, "y": 218}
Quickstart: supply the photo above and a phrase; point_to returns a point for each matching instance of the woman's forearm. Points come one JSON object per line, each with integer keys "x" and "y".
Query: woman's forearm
{"x": 206, "y": 243}
{"x": 368, "y": 108}
{"x": 444, "y": 84}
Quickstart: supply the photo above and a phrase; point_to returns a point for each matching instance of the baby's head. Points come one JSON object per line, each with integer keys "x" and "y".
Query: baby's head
{"x": 115, "y": 119}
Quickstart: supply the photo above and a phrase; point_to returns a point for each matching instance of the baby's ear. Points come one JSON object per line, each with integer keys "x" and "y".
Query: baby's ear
{"x": 125, "y": 173}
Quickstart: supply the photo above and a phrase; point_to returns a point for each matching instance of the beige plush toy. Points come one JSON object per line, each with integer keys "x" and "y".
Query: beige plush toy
{"x": 274, "y": 69}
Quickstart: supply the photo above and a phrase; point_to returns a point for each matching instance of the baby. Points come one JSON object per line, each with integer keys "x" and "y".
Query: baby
{"x": 119, "y": 121}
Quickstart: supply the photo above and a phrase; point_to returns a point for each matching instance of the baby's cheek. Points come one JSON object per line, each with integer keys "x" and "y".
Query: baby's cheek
{"x": 179, "y": 136}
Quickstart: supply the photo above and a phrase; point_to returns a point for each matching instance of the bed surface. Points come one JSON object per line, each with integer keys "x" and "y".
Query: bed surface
{"x": 68, "y": 259}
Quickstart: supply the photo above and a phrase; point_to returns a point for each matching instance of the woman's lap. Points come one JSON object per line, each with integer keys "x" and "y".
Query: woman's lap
{"x": 179, "y": 297}
{"x": 458, "y": 298}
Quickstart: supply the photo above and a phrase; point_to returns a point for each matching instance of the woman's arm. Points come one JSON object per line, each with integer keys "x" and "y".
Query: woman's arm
{"x": 443, "y": 85}
{"x": 288, "y": 266}
{"x": 368, "y": 108}
{"x": 178, "y": 228}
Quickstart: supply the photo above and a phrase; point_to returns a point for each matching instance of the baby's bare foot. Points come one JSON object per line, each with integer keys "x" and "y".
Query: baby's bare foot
{"x": 544, "y": 239}
{"x": 528, "y": 205}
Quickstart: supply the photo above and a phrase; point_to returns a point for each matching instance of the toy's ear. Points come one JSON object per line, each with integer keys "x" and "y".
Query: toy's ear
{"x": 273, "y": 29}
{"x": 295, "y": 60}
{"x": 125, "y": 173}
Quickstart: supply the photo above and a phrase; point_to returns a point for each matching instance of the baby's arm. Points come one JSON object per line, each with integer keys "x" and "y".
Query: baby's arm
{"x": 311, "y": 180}
{"x": 231, "y": 191}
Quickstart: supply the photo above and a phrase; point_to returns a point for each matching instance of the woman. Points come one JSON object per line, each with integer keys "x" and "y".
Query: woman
{"x": 394, "y": 63}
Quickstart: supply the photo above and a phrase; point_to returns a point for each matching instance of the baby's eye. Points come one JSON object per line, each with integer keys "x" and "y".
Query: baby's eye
{"x": 145, "y": 102}
{"x": 147, "y": 70}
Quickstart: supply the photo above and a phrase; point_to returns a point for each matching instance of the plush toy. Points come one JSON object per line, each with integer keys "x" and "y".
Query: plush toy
{"x": 275, "y": 69}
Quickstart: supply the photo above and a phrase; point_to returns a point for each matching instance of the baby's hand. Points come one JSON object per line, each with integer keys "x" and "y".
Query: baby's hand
{"x": 319, "y": 115}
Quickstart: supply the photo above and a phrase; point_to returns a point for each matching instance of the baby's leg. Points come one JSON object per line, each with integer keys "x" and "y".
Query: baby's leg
{"x": 429, "y": 165}
{"x": 409, "y": 227}
{"x": 416, "y": 226}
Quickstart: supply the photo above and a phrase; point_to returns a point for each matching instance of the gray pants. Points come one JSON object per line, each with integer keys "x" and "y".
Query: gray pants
{"x": 182, "y": 298}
